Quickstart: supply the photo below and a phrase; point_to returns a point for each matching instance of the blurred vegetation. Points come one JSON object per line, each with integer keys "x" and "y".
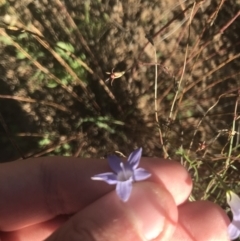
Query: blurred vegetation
{"x": 176, "y": 95}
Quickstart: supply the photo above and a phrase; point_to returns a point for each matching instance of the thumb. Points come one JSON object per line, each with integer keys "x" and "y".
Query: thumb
{"x": 149, "y": 214}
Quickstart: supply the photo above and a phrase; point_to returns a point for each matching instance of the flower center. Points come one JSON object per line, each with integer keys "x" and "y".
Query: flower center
{"x": 124, "y": 174}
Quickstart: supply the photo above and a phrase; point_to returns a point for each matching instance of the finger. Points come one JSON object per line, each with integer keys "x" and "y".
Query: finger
{"x": 149, "y": 214}
{"x": 172, "y": 175}
{"x": 201, "y": 220}
{"x": 37, "y": 190}
{"x": 37, "y": 232}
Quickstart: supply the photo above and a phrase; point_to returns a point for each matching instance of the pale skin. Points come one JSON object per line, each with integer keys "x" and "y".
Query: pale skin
{"x": 54, "y": 199}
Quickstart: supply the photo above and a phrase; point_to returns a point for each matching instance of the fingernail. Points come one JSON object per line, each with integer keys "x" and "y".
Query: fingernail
{"x": 147, "y": 207}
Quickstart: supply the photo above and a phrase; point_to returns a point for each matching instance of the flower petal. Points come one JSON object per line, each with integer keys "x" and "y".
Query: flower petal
{"x": 134, "y": 158}
{"x": 124, "y": 189}
{"x": 107, "y": 177}
{"x": 141, "y": 174}
{"x": 234, "y": 227}
{"x": 234, "y": 202}
{"x": 233, "y": 231}
{"x": 114, "y": 163}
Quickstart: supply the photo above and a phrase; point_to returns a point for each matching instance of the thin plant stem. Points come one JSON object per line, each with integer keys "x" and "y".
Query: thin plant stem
{"x": 50, "y": 148}
{"x": 200, "y": 122}
{"x": 184, "y": 67}
{"x": 232, "y": 134}
{"x": 73, "y": 56}
{"x": 62, "y": 62}
{"x": 30, "y": 100}
{"x": 165, "y": 36}
{"x": 164, "y": 27}
{"x": 156, "y": 106}
{"x": 42, "y": 68}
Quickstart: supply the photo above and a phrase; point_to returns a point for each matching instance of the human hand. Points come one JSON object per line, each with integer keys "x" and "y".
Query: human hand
{"x": 55, "y": 198}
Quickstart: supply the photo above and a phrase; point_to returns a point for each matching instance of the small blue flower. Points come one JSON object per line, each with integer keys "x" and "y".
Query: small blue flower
{"x": 125, "y": 173}
{"x": 234, "y": 227}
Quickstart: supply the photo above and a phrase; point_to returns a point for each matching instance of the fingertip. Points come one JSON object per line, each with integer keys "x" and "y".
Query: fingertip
{"x": 172, "y": 175}
{"x": 156, "y": 209}
{"x": 201, "y": 220}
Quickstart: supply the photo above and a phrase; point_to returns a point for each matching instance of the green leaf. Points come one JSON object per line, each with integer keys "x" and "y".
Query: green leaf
{"x": 66, "y": 146}
{"x": 44, "y": 142}
{"x": 189, "y": 113}
{"x": 57, "y": 150}
{"x": 74, "y": 64}
{"x": 170, "y": 96}
{"x": 20, "y": 55}
{"x": 22, "y": 36}
{"x": 51, "y": 84}
{"x": 105, "y": 126}
{"x": 5, "y": 40}
{"x": 66, "y": 46}
{"x": 83, "y": 57}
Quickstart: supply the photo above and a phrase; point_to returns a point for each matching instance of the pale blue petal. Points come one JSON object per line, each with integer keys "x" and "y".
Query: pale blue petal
{"x": 114, "y": 163}
{"x": 234, "y": 202}
{"x": 141, "y": 174}
{"x": 233, "y": 231}
{"x": 127, "y": 166}
{"x": 124, "y": 189}
{"x": 107, "y": 177}
{"x": 134, "y": 158}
